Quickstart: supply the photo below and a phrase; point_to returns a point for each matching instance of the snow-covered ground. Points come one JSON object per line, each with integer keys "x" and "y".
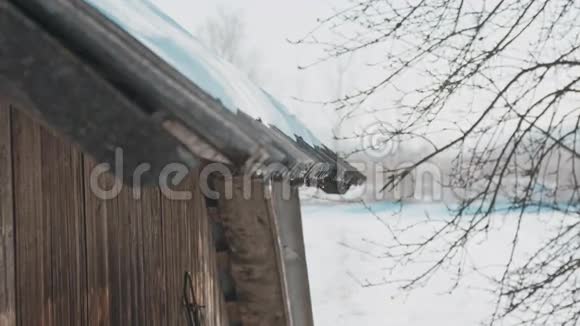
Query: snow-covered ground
{"x": 341, "y": 258}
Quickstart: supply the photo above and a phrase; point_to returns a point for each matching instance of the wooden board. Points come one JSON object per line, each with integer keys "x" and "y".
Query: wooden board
{"x": 49, "y": 224}
{"x": 285, "y": 203}
{"x": 32, "y": 230}
{"x": 254, "y": 257}
{"x": 126, "y": 277}
{"x": 189, "y": 247}
{"x": 7, "y": 277}
{"x": 97, "y": 238}
{"x": 64, "y": 226}
{"x": 82, "y": 260}
{"x": 146, "y": 246}
{"x": 178, "y": 245}
{"x": 155, "y": 292}
{"x": 214, "y": 300}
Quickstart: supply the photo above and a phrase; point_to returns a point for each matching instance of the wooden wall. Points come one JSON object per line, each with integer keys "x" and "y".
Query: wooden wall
{"x": 69, "y": 258}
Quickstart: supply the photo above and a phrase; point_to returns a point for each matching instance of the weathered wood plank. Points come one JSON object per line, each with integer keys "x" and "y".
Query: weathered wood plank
{"x": 88, "y": 261}
{"x": 155, "y": 295}
{"x": 121, "y": 211}
{"x": 214, "y": 299}
{"x": 254, "y": 260}
{"x": 149, "y": 244}
{"x": 78, "y": 162}
{"x": 126, "y": 244}
{"x": 63, "y": 215}
{"x": 138, "y": 208}
{"x": 115, "y": 249}
{"x": 7, "y": 276}
{"x": 189, "y": 247}
{"x": 50, "y": 243}
{"x": 285, "y": 203}
{"x": 225, "y": 289}
{"x": 98, "y": 257}
{"x": 207, "y": 268}
{"x": 32, "y": 238}
{"x": 178, "y": 216}
{"x": 199, "y": 233}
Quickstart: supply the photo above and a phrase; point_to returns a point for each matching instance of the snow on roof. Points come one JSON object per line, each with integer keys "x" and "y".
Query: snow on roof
{"x": 162, "y": 35}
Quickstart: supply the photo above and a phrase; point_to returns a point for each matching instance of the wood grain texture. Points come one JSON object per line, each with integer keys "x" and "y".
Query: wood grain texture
{"x": 189, "y": 247}
{"x": 63, "y": 216}
{"x": 125, "y": 278}
{"x": 215, "y": 314}
{"x": 49, "y": 224}
{"x": 141, "y": 249}
{"x": 178, "y": 216}
{"x": 97, "y": 242}
{"x": 155, "y": 292}
{"x": 82, "y": 260}
{"x": 254, "y": 258}
{"x": 7, "y": 268}
{"x": 285, "y": 203}
{"x": 32, "y": 229}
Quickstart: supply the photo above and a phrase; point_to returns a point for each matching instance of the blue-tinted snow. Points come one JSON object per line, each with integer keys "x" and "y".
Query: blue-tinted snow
{"x": 160, "y": 33}
{"x": 347, "y": 247}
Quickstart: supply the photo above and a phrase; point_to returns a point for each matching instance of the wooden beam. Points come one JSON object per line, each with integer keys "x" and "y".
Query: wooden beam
{"x": 254, "y": 258}
{"x": 7, "y": 268}
{"x": 213, "y": 297}
{"x": 285, "y": 203}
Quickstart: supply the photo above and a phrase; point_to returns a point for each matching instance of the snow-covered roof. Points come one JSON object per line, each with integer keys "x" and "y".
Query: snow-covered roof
{"x": 160, "y": 33}
{"x": 120, "y": 74}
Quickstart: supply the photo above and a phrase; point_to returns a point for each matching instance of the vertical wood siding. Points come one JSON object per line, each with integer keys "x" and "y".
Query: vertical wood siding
{"x": 32, "y": 236}
{"x": 80, "y": 260}
{"x": 61, "y": 180}
{"x": 7, "y": 267}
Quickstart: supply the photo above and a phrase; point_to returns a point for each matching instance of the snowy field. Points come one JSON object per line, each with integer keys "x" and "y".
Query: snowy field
{"x": 344, "y": 252}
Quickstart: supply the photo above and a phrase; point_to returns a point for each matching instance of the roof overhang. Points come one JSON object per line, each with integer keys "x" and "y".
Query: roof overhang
{"x": 92, "y": 81}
